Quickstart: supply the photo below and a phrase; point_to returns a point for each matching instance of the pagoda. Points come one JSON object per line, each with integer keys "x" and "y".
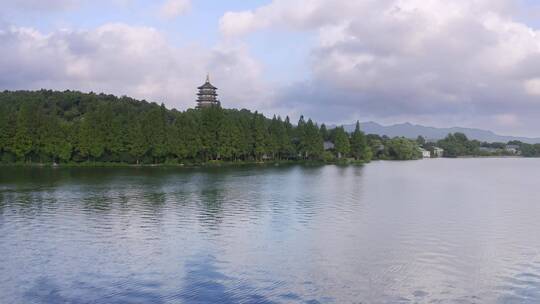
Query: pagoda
{"x": 207, "y": 96}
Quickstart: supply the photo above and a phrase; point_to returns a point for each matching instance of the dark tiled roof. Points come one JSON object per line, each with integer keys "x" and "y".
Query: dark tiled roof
{"x": 207, "y": 85}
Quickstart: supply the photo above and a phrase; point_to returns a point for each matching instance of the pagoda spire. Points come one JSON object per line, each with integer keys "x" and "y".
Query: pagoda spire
{"x": 208, "y": 77}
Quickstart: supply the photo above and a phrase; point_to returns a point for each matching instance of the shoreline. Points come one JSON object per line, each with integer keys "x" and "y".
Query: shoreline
{"x": 492, "y": 156}
{"x": 217, "y": 164}
{"x": 187, "y": 166}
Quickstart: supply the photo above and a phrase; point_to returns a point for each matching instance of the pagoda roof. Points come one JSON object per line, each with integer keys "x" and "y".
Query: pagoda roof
{"x": 207, "y": 85}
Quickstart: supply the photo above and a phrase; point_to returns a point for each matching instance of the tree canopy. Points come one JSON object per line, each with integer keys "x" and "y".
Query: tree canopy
{"x": 48, "y": 126}
{"x": 72, "y": 127}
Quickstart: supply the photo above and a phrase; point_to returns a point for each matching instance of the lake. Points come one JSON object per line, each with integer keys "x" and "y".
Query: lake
{"x": 429, "y": 231}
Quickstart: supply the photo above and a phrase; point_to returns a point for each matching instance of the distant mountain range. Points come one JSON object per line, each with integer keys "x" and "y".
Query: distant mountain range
{"x": 431, "y": 133}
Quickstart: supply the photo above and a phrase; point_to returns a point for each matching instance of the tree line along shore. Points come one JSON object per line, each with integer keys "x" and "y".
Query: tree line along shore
{"x": 74, "y": 128}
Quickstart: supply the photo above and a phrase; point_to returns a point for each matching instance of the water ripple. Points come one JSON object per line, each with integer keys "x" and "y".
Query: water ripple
{"x": 443, "y": 231}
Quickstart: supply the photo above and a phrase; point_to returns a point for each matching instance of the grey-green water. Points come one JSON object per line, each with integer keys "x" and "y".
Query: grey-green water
{"x": 431, "y": 231}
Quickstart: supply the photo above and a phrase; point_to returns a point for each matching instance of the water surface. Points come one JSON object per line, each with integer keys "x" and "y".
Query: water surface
{"x": 430, "y": 231}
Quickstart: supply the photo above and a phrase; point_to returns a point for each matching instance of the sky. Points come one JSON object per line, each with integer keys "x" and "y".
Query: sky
{"x": 469, "y": 63}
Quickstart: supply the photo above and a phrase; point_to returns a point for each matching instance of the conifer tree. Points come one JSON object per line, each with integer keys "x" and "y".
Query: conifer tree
{"x": 63, "y": 148}
{"x": 324, "y": 132}
{"x": 226, "y": 139}
{"x": 287, "y": 146}
{"x": 155, "y": 130}
{"x": 312, "y": 141}
{"x": 341, "y": 142}
{"x": 91, "y": 138}
{"x": 274, "y": 140}
{"x": 24, "y": 139}
{"x": 302, "y": 138}
{"x": 137, "y": 144}
{"x": 259, "y": 136}
{"x": 359, "y": 146}
{"x": 4, "y": 130}
{"x": 211, "y": 120}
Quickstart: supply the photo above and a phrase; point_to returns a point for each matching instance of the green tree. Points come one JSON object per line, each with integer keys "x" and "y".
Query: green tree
{"x": 528, "y": 150}
{"x": 64, "y": 148}
{"x": 458, "y": 144}
{"x": 137, "y": 144}
{"x": 400, "y": 148}
{"x": 211, "y": 121}
{"x": 24, "y": 134}
{"x": 301, "y": 138}
{"x": 7, "y": 130}
{"x": 275, "y": 131}
{"x": 288, "y": 148}
{"x": 360, "y": 149}
{"x": 341, "y": 142}
{"x": 91, "y": 142}
{"x": 155, "y": 130}
{"x": 420, "y": 140}
{"x": 227, "y": 135}
{"x": 55, "y": 139}
{"x": 260, "y": 136}
{"x": 324, "y": 132}
{"x": 312, "y": 141}
{"x": 285, "y": 148}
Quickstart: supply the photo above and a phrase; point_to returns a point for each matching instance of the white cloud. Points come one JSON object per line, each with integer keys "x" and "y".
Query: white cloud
{"x": 239, "y": 23}
{"x": 121, "y": 59}
{"x": 408, "y": 58}
{"x": 466, "y": 61}
{"x": 532, "y": 86}
{"x": 174, "y": 8}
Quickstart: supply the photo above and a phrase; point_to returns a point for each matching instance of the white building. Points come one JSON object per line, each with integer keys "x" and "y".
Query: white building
{"x": 328, "y": 145}
{"x": 425, "y": 153}
{"x": 514, "y": 149}
{"x": 438, "y": 152}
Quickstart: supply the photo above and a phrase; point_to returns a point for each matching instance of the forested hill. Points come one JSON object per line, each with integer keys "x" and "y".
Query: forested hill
{"x": 73, "y": 127}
